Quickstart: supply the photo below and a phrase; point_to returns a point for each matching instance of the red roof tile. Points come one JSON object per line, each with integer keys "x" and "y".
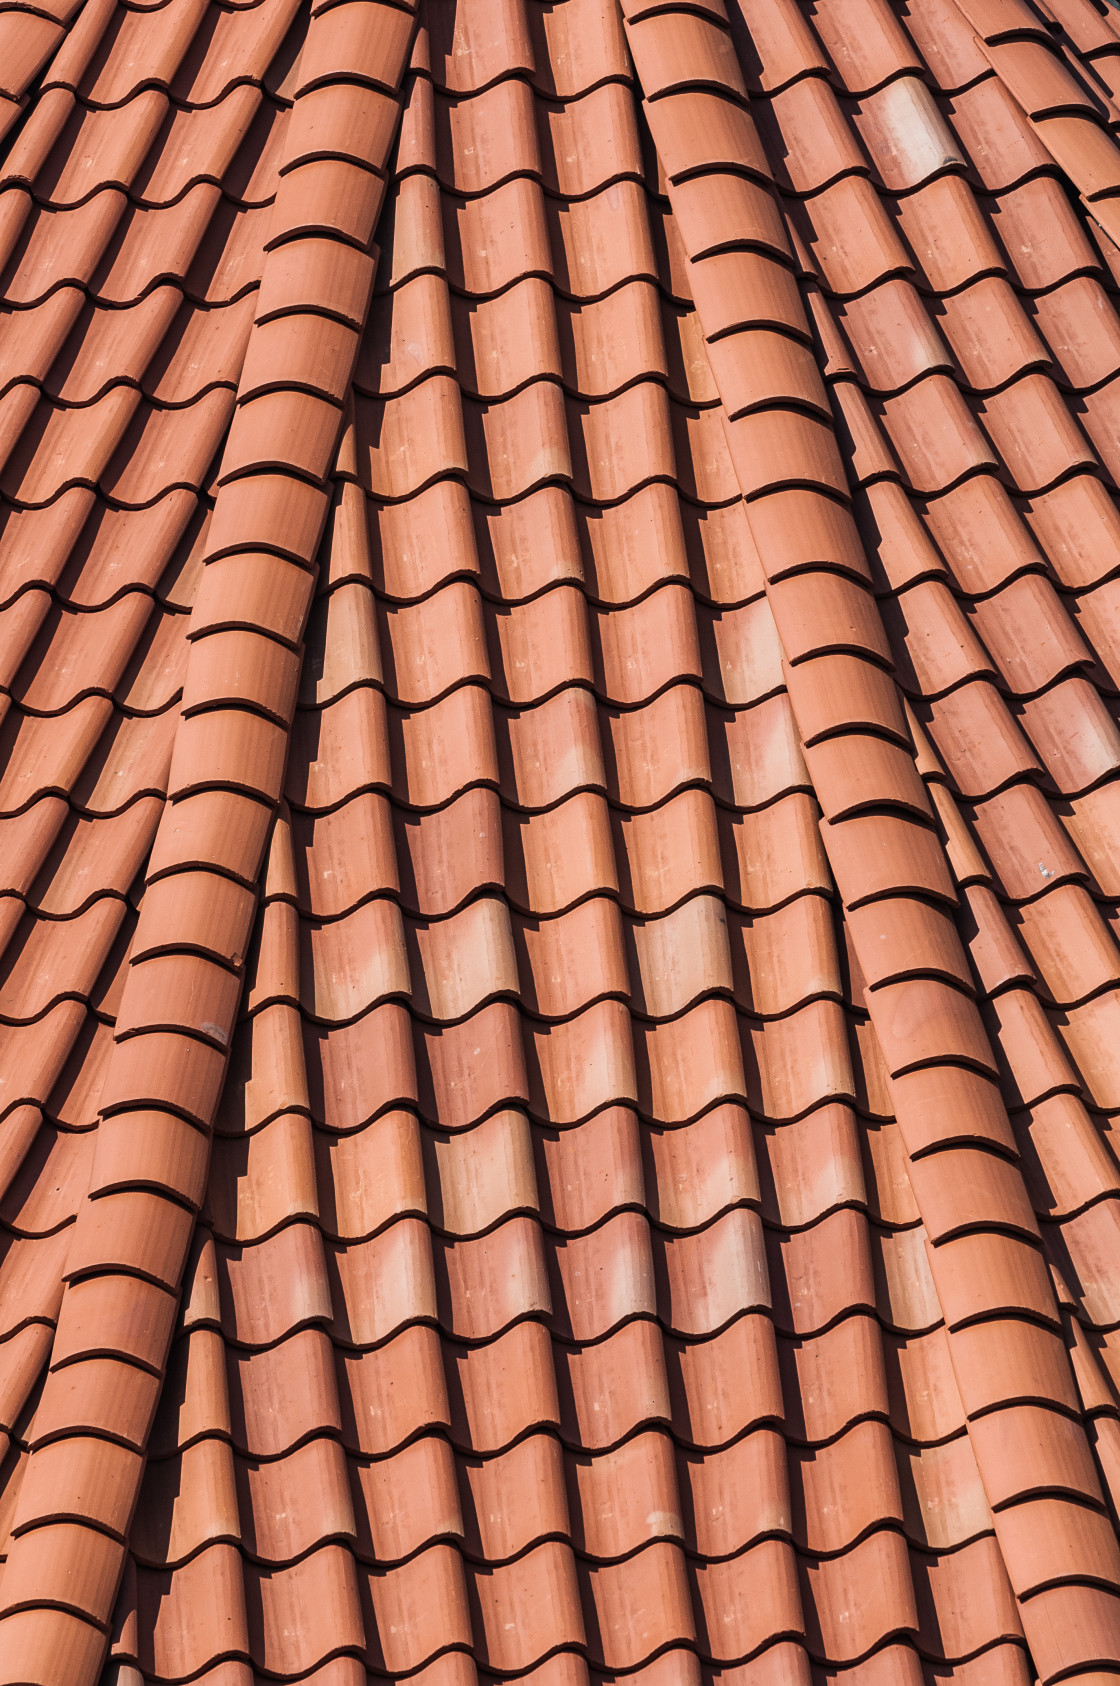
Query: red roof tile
{"x": 558, "y": 893}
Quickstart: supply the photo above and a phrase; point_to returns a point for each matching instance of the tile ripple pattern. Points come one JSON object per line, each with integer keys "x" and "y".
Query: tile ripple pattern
{"x": 559, "y": 750}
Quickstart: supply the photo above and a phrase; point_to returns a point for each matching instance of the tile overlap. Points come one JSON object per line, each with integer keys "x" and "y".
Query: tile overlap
{"x": 559, "y": 757}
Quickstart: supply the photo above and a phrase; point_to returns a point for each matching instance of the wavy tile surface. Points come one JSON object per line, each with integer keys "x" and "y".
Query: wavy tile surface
{"x": 560, "y": 987}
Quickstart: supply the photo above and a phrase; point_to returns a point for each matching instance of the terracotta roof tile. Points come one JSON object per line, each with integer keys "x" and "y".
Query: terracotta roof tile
{"x": 673, "y": 587}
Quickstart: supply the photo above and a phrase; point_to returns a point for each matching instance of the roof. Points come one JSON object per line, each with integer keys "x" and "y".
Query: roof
{"x": 560, "y": 999}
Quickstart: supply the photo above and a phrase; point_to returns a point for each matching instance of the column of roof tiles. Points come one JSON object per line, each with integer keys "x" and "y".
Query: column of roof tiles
{"x": 104, "y": 496}
{"x": 244, "y": 1532}
{"x": 515, "y": 1066}
{"x": 995, "y": 569}
{"x": 180, "y": 991}
{"x": 380, "y": 1527}
{"x": 92, "y": 616}
{"x": 1004, "y": 550}
{"x": 254, "y": 1394}
{"x": 920, "y": 990}
{"x": 464, "y": 1167}
{"x": 1004, "y": 566}
{"x": 757, "y": 231}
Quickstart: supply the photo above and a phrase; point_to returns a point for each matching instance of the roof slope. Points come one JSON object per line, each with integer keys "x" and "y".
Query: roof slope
{"x": 560, "y": 1008}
